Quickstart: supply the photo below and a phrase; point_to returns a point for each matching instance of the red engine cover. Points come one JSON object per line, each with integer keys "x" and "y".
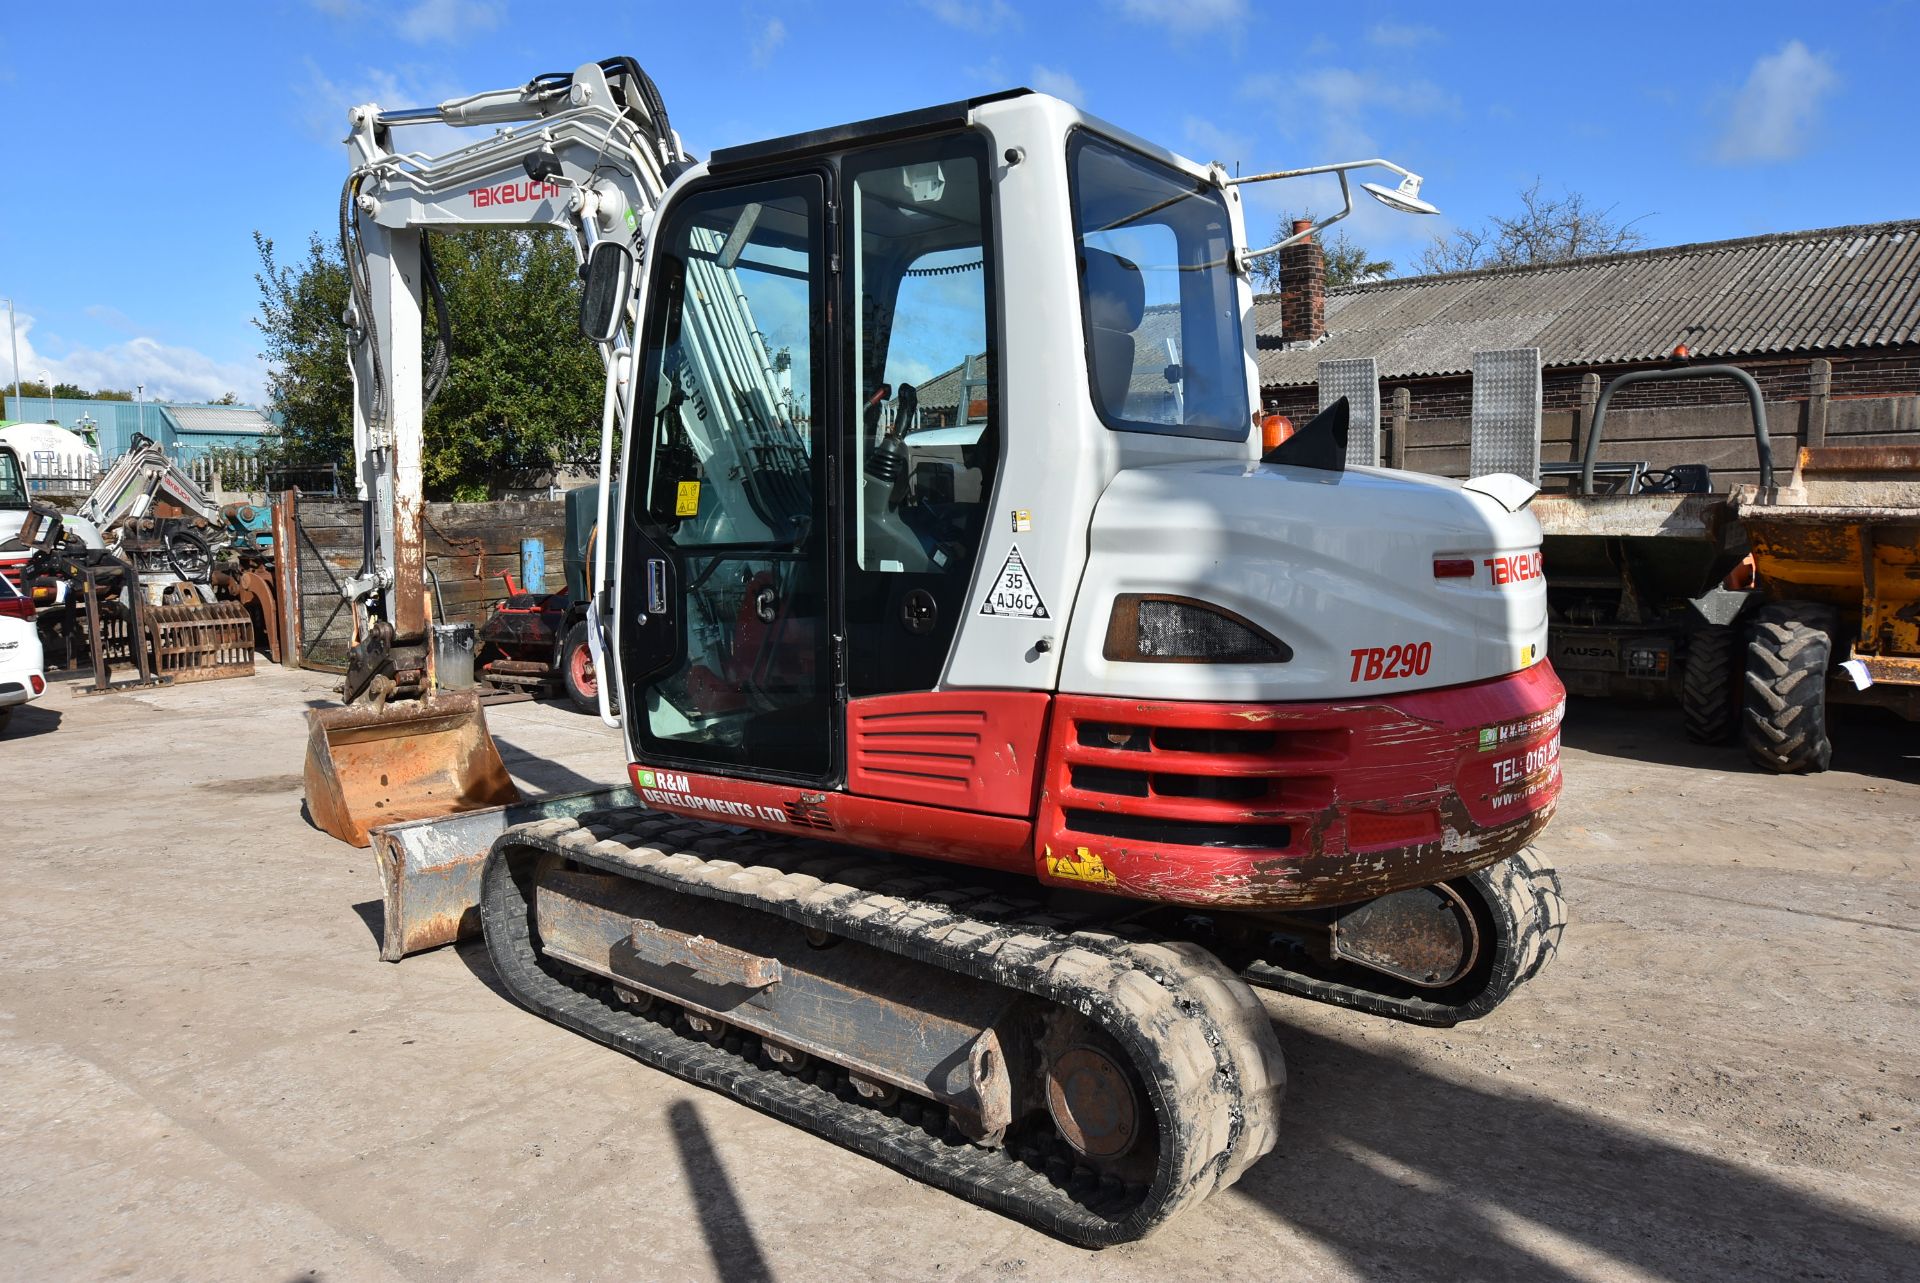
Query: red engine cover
{"x": 1270, "y": 805}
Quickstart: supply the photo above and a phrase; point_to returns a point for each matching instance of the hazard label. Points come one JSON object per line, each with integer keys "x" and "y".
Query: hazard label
{"x": 1084, "y": 866}
{"x": 1013, "y": 592}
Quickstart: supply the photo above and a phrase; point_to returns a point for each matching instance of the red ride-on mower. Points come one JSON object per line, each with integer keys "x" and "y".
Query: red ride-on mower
{"x": 536, "y": 642}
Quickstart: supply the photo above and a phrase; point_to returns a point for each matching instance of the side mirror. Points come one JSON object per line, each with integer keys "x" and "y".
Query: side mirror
{"x": 603, "y": 300}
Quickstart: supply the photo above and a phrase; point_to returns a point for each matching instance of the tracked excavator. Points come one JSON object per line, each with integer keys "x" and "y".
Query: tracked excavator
{"x": 1003, "y": 695}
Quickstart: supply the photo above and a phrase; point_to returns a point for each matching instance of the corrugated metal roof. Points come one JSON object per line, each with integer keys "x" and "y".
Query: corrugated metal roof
{"x": 218, "y": 418}
{"x": 1793, "y": 292}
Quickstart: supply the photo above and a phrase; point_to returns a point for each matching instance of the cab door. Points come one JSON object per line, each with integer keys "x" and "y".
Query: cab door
{"x": 925, "y": 436}
{"x": 726, "y": 598}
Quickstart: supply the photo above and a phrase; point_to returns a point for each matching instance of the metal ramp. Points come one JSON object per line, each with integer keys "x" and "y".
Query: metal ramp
{"x": 1358, "y": 380}
{"x": 1506, "y": 413}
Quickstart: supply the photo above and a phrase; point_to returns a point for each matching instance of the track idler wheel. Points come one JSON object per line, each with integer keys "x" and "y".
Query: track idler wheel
{"x": 1433, "y": 955}
{"x": 1093, "y": 1103}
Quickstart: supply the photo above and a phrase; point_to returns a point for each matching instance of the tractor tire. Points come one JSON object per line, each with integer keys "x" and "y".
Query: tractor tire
{"x": 576, "y": 669}
{"x": 1710, "y": 685}
{"x": 1786, "y": 690}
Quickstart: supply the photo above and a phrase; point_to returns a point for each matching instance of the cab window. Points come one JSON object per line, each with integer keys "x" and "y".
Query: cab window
{"x": 1165, "y": 350}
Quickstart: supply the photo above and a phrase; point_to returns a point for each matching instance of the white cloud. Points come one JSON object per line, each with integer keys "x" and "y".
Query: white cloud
{"x": 992, "y": 73}
{"x": 1186, "y": 16}
{"x": 326, "y": 102}
{"x": 771, "y": 37}
{"x": 422, "y": 21}
{"x": 1059, "y": 84}
{"x": 449, "y": 20}
{"x": 1345, "y": 101}
{"x": 1773, "y": 115}
{"x": 1210, "y": 142}
{"x": 977, "y": 16}
{"x": 1398, "y": 35}
{"x": 169, "y": 372}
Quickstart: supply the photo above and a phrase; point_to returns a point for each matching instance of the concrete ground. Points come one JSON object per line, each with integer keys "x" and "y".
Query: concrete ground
{"x": 207, "y": 1073}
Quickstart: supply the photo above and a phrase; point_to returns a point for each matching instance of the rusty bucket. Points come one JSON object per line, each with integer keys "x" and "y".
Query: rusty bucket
{"x": 413, "y": 760}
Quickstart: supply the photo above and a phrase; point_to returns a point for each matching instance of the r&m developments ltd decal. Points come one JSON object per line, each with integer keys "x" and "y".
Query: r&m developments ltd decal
{"x": 668, "y": 789}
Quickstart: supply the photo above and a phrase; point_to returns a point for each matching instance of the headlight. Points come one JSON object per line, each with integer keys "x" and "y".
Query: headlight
{"x": 1156, "y": 629}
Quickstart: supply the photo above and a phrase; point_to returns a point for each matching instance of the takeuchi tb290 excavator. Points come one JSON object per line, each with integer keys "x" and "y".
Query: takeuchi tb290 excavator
{"x": 1005, "y": 694}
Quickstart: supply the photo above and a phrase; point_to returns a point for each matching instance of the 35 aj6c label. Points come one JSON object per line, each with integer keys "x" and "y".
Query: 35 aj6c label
{"x": 1384, "y": 663}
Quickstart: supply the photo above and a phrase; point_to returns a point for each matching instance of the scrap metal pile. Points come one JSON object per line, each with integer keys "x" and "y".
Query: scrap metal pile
{"x": 151, "y": 574}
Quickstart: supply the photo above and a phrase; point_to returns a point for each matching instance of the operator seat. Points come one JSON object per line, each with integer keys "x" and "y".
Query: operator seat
{"x": 1116, "y": 302}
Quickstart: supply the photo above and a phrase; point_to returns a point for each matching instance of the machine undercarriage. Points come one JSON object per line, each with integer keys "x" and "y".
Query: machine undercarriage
{"x": 1089, "y": 1069}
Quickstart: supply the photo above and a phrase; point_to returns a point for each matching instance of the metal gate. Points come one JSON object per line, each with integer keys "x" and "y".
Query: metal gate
{"x": 327, "y": 543}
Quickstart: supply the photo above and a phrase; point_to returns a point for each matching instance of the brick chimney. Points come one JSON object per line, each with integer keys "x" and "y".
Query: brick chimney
{"x": 1303, "y": 288}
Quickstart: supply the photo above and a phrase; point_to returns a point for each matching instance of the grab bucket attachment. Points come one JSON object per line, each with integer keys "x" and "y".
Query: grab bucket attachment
{"x": 368, "y": 766}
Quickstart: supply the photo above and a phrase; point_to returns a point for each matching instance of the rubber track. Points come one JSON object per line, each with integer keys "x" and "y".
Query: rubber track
{"x": 1786, "y": 701}
{"x": 1522, "y": 892}
{"x": 1195, "y": 1034}
{"x": 1710, "y": 685}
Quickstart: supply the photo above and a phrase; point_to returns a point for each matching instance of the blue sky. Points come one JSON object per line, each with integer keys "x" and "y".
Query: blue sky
{"x": 150, "y": 139}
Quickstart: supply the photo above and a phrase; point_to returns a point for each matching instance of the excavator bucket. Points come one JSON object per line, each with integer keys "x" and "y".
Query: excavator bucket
{"x": 368, "y": 766}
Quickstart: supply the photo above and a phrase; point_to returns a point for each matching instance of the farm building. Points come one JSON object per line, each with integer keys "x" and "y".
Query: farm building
{"x": 1828, "y": 323}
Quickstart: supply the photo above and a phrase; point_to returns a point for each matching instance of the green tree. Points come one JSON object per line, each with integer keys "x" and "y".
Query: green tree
{"x": 1348, "y": 261}
{"x": 523, "y": 392}
{"x": 521, "y": 396}
{"x": 72, "y": 390}
{"x": 306, "y": 353}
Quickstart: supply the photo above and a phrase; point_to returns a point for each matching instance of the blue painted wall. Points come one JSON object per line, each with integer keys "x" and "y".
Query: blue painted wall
{"x": 115, "y": 423}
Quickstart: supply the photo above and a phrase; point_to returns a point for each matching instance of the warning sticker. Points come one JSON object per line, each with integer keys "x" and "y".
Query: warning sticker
{"x": 1013, "y": 592}
{"x": 686, "y": 500}
{"x": 1085, "y": 866}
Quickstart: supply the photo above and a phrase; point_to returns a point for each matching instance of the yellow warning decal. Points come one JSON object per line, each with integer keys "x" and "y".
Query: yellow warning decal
{"x": 687, "y": 502}
{"x": 1084, "y": 866}
{"x": 1527, "y": 655}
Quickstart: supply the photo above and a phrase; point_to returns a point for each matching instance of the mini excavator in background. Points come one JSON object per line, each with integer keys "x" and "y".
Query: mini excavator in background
{"x": 1003, "y": 691}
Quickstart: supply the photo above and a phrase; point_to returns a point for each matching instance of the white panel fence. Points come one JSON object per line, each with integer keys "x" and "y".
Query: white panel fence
{"x": 49, "y": 474}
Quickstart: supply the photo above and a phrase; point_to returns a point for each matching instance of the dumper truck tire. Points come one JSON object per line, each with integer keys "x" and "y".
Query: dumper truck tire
{"x": 1786, "y": 690}
{"x": 1710, "y": 685}
{"x": 576, "y": 669}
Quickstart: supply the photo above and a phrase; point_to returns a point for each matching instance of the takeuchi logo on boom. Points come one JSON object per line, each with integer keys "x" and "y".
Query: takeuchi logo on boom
{"x": 513, "y": 193}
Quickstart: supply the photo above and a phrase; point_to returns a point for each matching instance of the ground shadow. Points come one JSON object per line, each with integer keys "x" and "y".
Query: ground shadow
{"x": 374, "y": 914}
{"x": 29, "y": 720}
{"x": 543, "y": 773}
{"x": 723, "y": 1221}
{"x": 1407, "y": 1174}
{"x": 473, "y": 953}
{"x": 1866, "y": 741}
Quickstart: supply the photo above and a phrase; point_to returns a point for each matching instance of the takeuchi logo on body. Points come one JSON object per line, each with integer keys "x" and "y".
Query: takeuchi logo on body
{"x": 513, "y": 193}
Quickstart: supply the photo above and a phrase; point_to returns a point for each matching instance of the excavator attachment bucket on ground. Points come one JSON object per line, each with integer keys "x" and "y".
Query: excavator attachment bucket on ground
{"x": 368, "y": 766}
{"x": 430, "y": 869}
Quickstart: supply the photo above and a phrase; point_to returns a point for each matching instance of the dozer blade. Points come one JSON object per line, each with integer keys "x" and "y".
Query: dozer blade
{"x": 413, "y": 760}
{"x": 430, "y": 869}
